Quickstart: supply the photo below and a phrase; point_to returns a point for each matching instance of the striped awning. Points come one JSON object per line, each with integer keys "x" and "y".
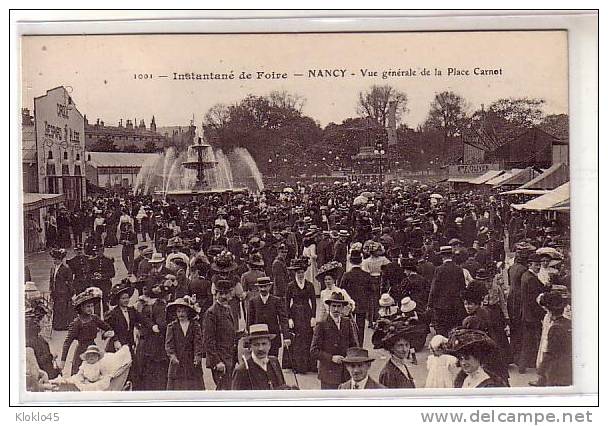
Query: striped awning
{"x": 33, "y": 201}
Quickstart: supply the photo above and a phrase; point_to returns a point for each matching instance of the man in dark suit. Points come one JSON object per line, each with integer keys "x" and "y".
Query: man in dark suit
{"x": 79, "y": 264}
{"x": 514, "y": 274}
{"x": 531, "y": 314}
{"x": 267, "y": 309}
{"x": 259, "y": 371}
{"x": 61, "y": 287}
{"x": 444, "y": 297}
{"x": 358, "y": 363}
{"x": 341, "y": 247}
{"x": 219, "y": 336}
{"x": 331, "y": 338}
{"x": 324, "y": 249}
{"x": 101, "y": 270}
{"x": 128, "y": 239}
{"x": 280, "y": 273}
{"x": 358, "y": 284}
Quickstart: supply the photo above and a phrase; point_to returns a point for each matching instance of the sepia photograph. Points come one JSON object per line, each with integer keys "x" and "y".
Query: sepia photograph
{"x": 296, "y": 211}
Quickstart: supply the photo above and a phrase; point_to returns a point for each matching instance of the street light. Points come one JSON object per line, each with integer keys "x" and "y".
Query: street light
{"x": 380, "y": 151}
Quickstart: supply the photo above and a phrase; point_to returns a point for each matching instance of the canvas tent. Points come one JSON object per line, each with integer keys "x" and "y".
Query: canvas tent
{"x": 553, "y": 177}
{"x": 549, "y": 201}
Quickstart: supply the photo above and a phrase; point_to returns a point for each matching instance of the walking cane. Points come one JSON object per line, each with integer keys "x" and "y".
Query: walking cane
{"x": 295, "y": 375}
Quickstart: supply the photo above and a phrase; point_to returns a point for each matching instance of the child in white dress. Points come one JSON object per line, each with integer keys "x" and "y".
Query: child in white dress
{"x": 442, "y": 368}
{"x": 90, "y": 370}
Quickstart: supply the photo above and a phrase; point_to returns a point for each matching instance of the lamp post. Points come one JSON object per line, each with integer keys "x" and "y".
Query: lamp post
{"x": 380, "y": 151}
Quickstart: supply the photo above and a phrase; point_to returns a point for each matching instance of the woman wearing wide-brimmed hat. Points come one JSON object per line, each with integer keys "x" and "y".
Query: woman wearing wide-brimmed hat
{"x": 184, "y": 346}
{"x": 397, "y": 342}
{"x": 310, "y": 251}
{"x": 84, "y": 327}
{"x": 475, "y": 351}
{"x": 301, "y": 309}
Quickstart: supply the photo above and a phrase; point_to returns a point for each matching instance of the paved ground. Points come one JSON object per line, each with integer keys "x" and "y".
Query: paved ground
{"x": 40, "y": 264}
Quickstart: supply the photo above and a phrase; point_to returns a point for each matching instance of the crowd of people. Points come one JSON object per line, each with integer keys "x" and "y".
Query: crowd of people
{"x": 248, "y": 285}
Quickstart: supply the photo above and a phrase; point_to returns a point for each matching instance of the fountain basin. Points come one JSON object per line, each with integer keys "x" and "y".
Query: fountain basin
{"x": 187, "y": 195}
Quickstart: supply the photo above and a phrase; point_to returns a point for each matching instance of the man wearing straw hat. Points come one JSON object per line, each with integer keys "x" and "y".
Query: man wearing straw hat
{"x": 259, "y": 370}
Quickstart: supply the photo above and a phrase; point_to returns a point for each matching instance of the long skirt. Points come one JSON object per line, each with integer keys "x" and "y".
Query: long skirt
{"x": 311, "y": 275}
{"x": 63, "y": 311}
{"x": 192, "y": 382}
{"x": 152, "y": 374}
{"x": 298, "y": 354}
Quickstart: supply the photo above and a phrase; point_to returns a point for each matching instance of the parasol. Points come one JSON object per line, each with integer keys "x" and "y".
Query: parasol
{"x": 360, "y": 200}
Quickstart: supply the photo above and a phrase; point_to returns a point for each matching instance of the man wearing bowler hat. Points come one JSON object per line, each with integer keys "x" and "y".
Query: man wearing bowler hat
{"x": 531, "y": 314}
{"x": 444, "y": 296}
{"x": 280, "y": 273}
{"x": 358, "y": 363}
{"x": 514, "y": 274}
{"x": 219, "y": 335}
{"x": 267, "y": 309}
{"x": 331, "y": 338}
{"x": 101, "y": 270}
{"x": 79, "y": 264}
{"x": 259, "y": 370}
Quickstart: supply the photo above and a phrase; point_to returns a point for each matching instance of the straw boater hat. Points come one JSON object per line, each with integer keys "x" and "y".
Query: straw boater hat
{"x": 357, "y": 355}
{"x": 336, "y": 297}
{"x": 407, "y": 304}
{"x": 91, "y": 294}
{"x": 256, "y": 243}
{"x": 125, "y": 286}
{"x": 156, "y": 258}
{"x": 443, "y": 250}
{"x": 92, "y": 349}
{"x": 386, "y": 300}
{"x": 259, "y": 331}
{"x": 330, "y": 268}
{"x": 343, "y": 233}
{"x": 185, "y": 302}
{"x": 175, "y": 242}
{"x": 263, "y": 281}
{"x": 224, "y": 262}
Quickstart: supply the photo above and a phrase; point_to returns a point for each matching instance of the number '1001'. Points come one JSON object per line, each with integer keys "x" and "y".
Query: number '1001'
{"x": 142, "y": 76}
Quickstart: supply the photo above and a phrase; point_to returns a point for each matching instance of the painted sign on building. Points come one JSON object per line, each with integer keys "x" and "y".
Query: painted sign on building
{"x": 59, "y": 129}
{"x": 471, "y": 169}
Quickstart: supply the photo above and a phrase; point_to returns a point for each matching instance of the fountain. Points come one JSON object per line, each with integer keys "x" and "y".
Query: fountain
{"x": 198, "y": 171}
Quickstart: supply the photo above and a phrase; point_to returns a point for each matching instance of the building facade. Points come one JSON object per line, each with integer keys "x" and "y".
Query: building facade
{"x": 60, "y": 146}
{"x": 117, "y": 170}
{"x": 124, "y": 137}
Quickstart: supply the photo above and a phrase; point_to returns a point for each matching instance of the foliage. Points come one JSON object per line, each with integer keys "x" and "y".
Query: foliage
{"x": 375, "y": 103}
{"x": 104, "y": 144}
{"x": 556, "y": 125}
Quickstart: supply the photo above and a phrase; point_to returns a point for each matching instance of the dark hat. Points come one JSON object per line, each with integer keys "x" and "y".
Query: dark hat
{"x": 125, "y": 286}
{"x": 256, "y": 243}
{"x": 552, "y": 300}
{"x": 263, "y": 281}
{"x": 394, "y": 252}
{"x": 357, "y": 355}
{"x": 224, "y": 262}
{"x": 336, "y": 297}
{"x": 330, "y": 268}
{"x": 356, "y": 257}
{"x": 223, "y": 285}
{"x": 475, "y": 292}
{"x": 58, "y": 253}
{"x": 410, "y": 264}
{"x": 256, "y": 259}
{"x": 141, "y": 247}
{"x": 257, "y": 331}
{"x": 534, "y": 258}
{"x": 396, "y": 330}
{"x": 482, "y": 274}
{"x": 214, "y": 250}
{"x": 462, "y": 339}
{"x": 185, "y": 302}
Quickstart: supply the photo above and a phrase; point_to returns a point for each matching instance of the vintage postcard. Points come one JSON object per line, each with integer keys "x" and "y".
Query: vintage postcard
{"x": 296, "y": 211}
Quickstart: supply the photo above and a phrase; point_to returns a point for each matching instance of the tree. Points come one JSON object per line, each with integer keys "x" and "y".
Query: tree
{"x": 448, "y": 114}
{"x": 131, "y": 148}
{"x": 376, "y": 101}
{"x": 217, "y": 116}
{"x": 556, "y": 125}
{"x": 104, "y": 144}
{"x": 149, "y": 146}
{"x": 285, "y": 100}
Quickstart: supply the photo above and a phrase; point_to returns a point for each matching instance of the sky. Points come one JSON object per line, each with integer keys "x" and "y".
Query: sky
{"x": 101, "y": 71}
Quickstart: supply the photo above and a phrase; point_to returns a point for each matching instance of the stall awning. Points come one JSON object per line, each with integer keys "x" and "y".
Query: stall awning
{"x": 462, "y": 179}
{"x": 554, "y": 176}
{"x": 490, "y": 174}
{"x": 550, "y": 200}
{"x": 498, "y": 180}
{"x": 525, "y": 192}
{"x": 33, "y": 201}
{"x": 520, "y": 178}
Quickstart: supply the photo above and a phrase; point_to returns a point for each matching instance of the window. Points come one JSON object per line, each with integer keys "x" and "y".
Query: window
{"x": 77, "y": 157}
{"x": 65, "y": 170}
{"x": 50, "y": 157}
{"x": 65, "y": 155}
{"x": 77, "y": 171}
